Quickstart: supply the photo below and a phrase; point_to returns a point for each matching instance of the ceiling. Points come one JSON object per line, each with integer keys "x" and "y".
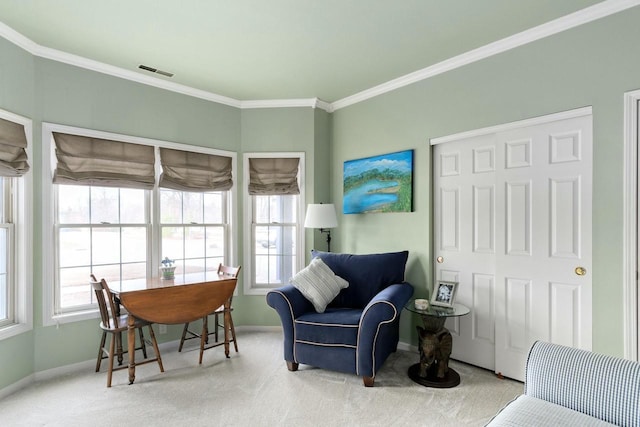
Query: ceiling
{"x": 276, "y": 49}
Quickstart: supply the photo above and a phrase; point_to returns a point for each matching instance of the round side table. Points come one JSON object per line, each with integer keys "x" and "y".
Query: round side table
{"x": 435, "y": 344}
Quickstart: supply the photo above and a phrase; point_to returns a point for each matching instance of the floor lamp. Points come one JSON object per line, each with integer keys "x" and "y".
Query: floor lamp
{"x": 322, "y": 216}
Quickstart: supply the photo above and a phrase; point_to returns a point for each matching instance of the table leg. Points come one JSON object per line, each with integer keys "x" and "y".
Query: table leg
{"x": 119, "y": 349}
{"x": 118, "y": 335}
{"x": 131, "y": 335}
{"x": 435, "y": 348}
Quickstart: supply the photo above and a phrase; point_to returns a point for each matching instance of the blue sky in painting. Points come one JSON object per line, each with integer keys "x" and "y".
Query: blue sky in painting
{"x": 401, "y": 161}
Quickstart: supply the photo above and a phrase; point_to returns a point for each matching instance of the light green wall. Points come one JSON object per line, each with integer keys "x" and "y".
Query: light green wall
{"x": 590, "y": 65}
{"x": 16, "y": 95}
{"x": 284, "y": 129}
{"x": 78, "y": 97}
{"x": 321, "y": 158}
{"x": 593, "y": 64}
{"x": 277, "y": 130}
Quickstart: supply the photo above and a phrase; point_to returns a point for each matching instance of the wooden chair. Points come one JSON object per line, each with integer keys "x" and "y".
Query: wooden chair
{"x": 226, "y": 272}
{"x": 115, "y": 324}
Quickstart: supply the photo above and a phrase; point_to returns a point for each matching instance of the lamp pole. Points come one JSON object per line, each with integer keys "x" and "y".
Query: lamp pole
{"x": 328, "y": 231}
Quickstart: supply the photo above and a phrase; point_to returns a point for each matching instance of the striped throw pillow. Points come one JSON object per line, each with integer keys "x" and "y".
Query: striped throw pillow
{"x": 318, "y": 283}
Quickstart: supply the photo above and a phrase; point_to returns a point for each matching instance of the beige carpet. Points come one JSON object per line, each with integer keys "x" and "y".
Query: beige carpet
{"x": 254, "y": 388}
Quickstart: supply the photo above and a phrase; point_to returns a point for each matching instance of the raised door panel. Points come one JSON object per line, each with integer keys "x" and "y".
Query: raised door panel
{"x": 482, "y": 317}
{"x": 518, "y": 309}
{"x": 518, "y": 218}
{"x": 484, "y": 219}
{"x": 565, "y": 214}
{"x": 565, "y": 314}
{"x": 449, "y": 229}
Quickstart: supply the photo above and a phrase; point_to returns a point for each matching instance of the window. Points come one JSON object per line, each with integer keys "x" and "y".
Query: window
{"x": 194, "y": 226}
{"x": 15, "y": 225}
{"x": 99, "y": 230}
{"x": 273, "y": 247}
{"x": 120, "y": 222}
{"x": 275, "y": 224}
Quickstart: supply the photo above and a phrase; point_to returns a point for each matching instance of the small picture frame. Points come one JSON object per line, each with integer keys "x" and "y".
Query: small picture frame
{"x": 444, "y": 293}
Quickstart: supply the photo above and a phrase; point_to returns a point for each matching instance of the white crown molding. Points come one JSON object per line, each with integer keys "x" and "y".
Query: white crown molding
{"x": 589, "y": 14}
{"x": 326, "y": 106}
{"x": 8, "y": 33}
{"x": 286, "y": 103}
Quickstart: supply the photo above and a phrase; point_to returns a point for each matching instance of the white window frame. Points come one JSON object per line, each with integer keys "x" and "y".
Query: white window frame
{"x": 22, "y": 259}
{"x": 250, "y": 287}
{"x": 49, "y": 315}
{"x": 93, "y": 226}
{"x": 225, "y": 225}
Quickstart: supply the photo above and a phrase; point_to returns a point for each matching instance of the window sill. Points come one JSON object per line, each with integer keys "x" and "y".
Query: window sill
{"x": 78, "y": 316}
{"x": 14, "y": 329}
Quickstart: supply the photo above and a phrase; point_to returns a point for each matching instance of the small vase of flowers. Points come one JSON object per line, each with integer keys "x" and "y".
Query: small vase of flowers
{"x": 167, "y": 269}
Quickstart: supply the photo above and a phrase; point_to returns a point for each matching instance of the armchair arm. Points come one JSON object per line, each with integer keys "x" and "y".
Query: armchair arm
{"x": 378, "y": 330}
{"x": 289, "y": 303}
{"x": 601, "y": 386}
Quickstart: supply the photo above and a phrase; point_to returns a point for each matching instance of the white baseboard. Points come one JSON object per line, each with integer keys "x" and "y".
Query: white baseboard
{"x": 407, "y": 347}
{"x": 17, "y": 386}
{"x": 259, "y": 328}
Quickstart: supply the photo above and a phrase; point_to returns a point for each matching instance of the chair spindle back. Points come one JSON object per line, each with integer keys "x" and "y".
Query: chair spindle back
{"x": 227, "y": 271}
{"x": 106, "y": 304}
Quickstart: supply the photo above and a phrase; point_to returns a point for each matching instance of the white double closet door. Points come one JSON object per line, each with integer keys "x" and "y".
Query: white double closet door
{"x": 512, "y": 225}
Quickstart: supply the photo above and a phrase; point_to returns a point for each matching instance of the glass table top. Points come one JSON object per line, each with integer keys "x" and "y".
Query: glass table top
{"x": 437, "y": 311}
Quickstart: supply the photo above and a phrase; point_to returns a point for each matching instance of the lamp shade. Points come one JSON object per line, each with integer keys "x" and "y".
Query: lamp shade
{"x": 321, "y": 216}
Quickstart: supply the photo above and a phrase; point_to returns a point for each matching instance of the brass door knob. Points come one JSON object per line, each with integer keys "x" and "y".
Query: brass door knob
{"x": 440, "y": 260}
{"x": 581, "y": 271}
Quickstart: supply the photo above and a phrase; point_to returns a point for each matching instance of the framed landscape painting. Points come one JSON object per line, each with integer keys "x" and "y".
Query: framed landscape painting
{"x": 379, "y": 184}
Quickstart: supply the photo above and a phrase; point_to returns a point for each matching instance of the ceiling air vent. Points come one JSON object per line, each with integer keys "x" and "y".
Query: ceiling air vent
{"x": 155, "y": 70}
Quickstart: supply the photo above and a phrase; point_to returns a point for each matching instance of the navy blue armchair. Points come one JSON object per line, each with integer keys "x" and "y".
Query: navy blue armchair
{"x": 359, "y": 328}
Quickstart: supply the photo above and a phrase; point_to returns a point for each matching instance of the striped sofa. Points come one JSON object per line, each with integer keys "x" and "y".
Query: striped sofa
{"x": 565, "y": 386}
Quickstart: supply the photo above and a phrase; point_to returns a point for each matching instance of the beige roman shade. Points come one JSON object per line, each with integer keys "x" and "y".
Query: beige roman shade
{"x": 273, "y": 176}
{"x": 13, "y": 154}
{"x": 92, "y": 161}
{"x": 189, "y": 171}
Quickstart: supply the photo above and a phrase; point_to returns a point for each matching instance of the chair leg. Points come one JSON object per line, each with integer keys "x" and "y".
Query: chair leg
{"x": 184, "y": 334}
{"x": 112, "y": 350}
{"x": 142, "y": 343}
{"x": 103, "y": 340}
{"x": 118, "y": 337}
{"x": 233, "y": 332}
{"x": 205, "y": 329}
{"x": 217, "y": 322}
{"x": 155, "y": 348}
{"x": 292, "y": 366}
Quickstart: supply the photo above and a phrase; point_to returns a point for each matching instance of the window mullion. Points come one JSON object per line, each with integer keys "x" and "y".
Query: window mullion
{"x": 154, "y": 229}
